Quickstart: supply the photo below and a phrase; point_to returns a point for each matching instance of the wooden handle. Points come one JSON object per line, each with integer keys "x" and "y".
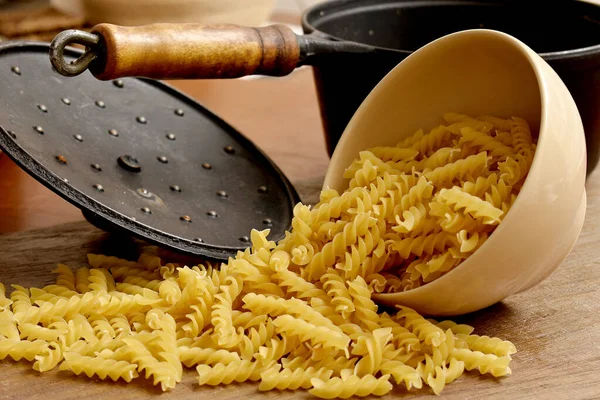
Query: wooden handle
{"x": 193, "y": 51}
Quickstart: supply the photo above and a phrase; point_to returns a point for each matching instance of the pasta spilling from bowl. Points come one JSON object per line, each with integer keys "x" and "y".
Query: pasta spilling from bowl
{"x": 298, "y": 314}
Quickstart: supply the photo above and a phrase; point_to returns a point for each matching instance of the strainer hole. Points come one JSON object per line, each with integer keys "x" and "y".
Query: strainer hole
{"x": 39, "y": 129}
{"x": 78, "y": 137}
{"x": 66, "y": 101}
{"x": 229, "y": 150}
{"x": 42, "y": 108}
{"x": 141, "y": 119}
{"x": 244, "y": 239}
{"x": 16, "y": 70}
{"x": 206, "y": 165}
{"x": 186, "y": 218}
{"x": 100, "y": 104}
{"x": 212, "y": 214}
{"x": 179, "y": 112}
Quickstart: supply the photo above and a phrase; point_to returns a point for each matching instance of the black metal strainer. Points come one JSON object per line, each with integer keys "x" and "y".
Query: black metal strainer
{"x": 136, "y": 155}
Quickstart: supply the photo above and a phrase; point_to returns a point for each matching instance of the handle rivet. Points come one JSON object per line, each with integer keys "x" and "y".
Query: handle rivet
{"x": 129, "y": 163}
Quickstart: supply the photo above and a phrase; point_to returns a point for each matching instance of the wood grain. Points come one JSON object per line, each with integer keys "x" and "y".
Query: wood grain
{"x": 555, "y": 325}
{"x": 193, "y": 51}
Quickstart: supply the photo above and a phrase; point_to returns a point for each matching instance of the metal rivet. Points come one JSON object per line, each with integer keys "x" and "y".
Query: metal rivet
{"x": 97, "y": 167}
{"x": 171, "y": 136}
{"x": 146, "y": 210}
{"x": 98, "y": 187}
{"x": 244, "y": 239}
{"x": 100, "y": 104}
{"x": 186, "y": 218}
{"x": 179, "y": 112}
{"x": 65, "y": 180}
{"x": 175, "y": 188}
{"x": 78, "y": 137}
{"x": 141, "y": 120}
{"x": 16, "y": 70}
{"x": 11, "y": 134}
{"x": 61, "y": 159}
{"x": 198, "y": 240}
{"x": 206, "y": 166}
{"x": 118, "y": 83}
{"x": 113, "y": 132}
{"x": 262, "y": 189}
{"x": 162, "y": 159}
{"x": 212, "y": 213}
{"x": 39, "y": 129}
{"x": 130, "y": 163}
{"x": 66, "y": 101}
{"x": 144, "y": 192}
{"x": 267, "y": 221}
{"x": 229, "y": 150}
{"x": 222, "y": 193}
{"x": 42, "y": 108}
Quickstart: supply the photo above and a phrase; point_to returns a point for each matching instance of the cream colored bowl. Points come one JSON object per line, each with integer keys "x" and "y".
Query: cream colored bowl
{"x": 483, "y": 72}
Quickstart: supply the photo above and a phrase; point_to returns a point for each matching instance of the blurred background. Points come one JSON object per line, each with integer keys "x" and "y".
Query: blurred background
{"x": 43, "y": 19}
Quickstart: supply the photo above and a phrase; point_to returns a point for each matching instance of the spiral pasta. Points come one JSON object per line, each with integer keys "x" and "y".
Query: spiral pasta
{"x": 299, "y": 314}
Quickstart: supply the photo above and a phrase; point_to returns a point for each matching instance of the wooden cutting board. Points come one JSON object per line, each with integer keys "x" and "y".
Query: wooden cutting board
{"x": 555, "y": 326}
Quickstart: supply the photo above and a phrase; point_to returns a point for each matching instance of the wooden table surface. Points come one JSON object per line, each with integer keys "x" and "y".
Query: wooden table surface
{"x": 555, "y": 326}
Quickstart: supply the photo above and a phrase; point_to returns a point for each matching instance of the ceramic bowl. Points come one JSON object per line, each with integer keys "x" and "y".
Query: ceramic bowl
{"x": 484, "y": 72}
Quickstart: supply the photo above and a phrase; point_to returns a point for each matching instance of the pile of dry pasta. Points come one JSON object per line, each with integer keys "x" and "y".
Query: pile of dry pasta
{"x": 298, "y": 314}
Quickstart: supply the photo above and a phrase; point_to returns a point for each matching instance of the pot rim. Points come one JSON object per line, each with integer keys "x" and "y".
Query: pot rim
{"x": 313, "y": 12}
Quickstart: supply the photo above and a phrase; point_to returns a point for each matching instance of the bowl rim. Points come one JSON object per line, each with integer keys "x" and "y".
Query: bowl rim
{"x": 530, "y": 56}
{"x": 314, "y": 11}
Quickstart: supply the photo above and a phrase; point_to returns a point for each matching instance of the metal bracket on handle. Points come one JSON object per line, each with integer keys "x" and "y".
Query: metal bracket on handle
{"x": 66, "y": 38}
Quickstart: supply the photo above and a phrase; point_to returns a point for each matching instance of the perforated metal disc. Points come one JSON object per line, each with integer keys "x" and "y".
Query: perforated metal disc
{"x": 137, "y": 155}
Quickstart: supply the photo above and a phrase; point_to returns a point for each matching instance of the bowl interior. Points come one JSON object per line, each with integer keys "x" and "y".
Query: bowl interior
{"x": 477, "y": 72}
{"x": 409, "y": 25}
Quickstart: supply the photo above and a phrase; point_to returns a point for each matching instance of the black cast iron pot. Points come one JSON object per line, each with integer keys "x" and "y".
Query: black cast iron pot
{"x": 566, "y": 34}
